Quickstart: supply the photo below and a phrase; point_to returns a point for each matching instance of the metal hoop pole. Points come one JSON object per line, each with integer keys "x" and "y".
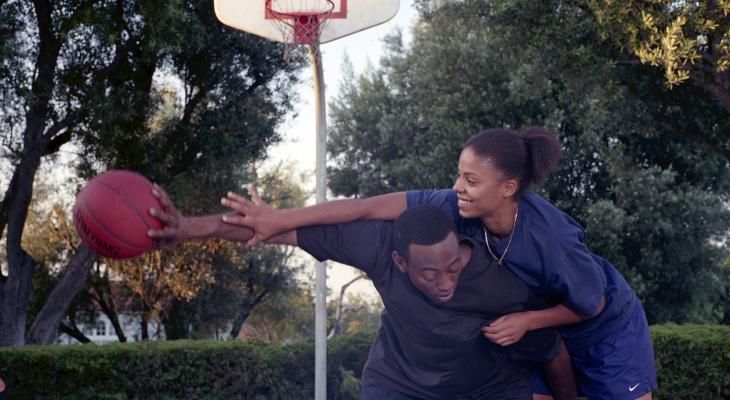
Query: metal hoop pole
{"x": 320, "y": 286}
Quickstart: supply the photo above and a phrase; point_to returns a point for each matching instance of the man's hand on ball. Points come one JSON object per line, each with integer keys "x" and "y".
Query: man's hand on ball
{"x": 176, "y": 227}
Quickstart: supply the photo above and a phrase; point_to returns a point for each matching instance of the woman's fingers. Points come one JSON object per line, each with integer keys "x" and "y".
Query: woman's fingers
{"x": 237, "y": 202}
{"x": 255, "y": 195}
{"x": 234, "y": 219}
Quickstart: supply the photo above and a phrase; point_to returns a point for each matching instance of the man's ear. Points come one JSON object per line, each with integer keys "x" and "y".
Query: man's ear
{"x": 399, "y": 261}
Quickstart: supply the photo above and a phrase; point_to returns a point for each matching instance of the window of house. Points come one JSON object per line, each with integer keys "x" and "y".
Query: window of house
{"x": 100, "y": 329}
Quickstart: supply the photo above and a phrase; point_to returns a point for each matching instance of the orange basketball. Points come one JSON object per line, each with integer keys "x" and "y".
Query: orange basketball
{"x": 111, "y": 214}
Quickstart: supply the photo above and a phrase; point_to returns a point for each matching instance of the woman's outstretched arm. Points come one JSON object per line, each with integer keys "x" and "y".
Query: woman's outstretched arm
{"x": 267, "y": 221}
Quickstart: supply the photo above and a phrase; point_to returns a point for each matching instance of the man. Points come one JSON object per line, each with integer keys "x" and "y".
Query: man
{"x": 439, "y": 290}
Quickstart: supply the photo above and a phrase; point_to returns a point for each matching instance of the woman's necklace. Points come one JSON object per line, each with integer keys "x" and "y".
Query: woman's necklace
{"x": 509, "y": 242}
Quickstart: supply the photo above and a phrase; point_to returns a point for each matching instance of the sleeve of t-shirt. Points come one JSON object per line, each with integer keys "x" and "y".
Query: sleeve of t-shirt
{"x": 360, "y": 244}
{"x": 445, "y": 199}
{"x": 578, "y": 276}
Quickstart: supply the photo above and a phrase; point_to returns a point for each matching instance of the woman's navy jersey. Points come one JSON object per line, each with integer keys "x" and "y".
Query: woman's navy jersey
{"x": 549, "y": 254}
{"x": 434, "y": 350}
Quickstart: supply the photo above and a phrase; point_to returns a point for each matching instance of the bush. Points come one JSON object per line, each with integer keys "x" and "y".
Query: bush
{"x": 693, "y": 362}
{"x": 181, "y": 370}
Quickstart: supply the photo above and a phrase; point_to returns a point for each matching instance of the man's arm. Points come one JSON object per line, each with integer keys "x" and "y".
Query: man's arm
{"x": 560, "y": 376}
{"x": 545, "y": 347}
{"x": 267, "y": 221}
{"x": 177, "y": 227}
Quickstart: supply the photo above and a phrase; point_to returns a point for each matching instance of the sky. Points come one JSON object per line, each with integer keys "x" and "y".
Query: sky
{"x": 298, "y": 146}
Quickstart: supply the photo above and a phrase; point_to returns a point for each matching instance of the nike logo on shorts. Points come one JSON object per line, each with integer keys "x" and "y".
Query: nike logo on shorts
{"x": 632, "y": 388}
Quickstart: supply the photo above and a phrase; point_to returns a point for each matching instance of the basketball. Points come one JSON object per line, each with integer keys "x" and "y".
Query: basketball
{"x": 111, "y": 214}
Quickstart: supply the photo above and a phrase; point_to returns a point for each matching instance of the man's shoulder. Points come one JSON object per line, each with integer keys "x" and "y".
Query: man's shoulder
{"x": 372, "y": 228}
{"x": 365, "y": 244}
{"x": 477, "y": 256}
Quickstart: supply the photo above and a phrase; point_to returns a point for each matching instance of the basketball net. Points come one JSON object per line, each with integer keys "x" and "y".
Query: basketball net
{"x": 300, "y": 22}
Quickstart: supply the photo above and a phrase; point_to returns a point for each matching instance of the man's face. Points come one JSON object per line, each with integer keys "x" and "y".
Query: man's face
{"x": 434, "y": 269}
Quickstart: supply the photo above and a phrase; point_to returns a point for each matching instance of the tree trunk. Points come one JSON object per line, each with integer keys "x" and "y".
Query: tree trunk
{"x": 335, "y": 330}
{"x": 15, "y": 289}
{"x": 64, "y": 293}
{"x": 105, "y": 299}
{"x": 14, "y": 294}
{"x": 245, "y": 312}
{"x": 74, "y": 332}
{"x": 176, "y": 320}
{"x": 143, "y": 322}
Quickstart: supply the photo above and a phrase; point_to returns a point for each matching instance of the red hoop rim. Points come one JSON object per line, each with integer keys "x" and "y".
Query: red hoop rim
{"x": 296, "y": 15}
{"x": 306, "y": 26}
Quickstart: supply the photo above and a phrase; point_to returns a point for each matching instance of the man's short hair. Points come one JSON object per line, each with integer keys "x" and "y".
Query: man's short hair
{"x": 422, "y": 225}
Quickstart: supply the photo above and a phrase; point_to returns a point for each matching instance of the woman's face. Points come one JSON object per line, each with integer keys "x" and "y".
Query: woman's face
{"x": 480, "y": 187}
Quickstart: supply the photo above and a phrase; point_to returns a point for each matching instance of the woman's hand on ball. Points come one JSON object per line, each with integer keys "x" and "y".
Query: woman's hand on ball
{"x": 176, "y": 227}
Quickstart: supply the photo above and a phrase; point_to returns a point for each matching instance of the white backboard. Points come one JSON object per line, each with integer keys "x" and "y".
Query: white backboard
{"x": 347, "y": 17}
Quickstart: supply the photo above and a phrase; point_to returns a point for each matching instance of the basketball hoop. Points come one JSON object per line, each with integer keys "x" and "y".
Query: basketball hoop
{"x": 300, "y": 22}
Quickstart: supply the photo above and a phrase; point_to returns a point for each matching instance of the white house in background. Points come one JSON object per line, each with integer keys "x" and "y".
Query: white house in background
{"x": 102, "y": 330}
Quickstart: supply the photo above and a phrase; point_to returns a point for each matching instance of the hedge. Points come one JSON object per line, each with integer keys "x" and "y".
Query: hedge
{"x": 181, "y": 370}
{"x": 693, "y": 362}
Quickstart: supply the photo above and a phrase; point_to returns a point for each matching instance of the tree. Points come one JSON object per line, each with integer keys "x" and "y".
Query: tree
{"x": 89, "y": 73}
{"x": 286, "y": 315}
{"x": 357, "y": 313}
{"x": 631, "y": 164}
{"x": 689, "y": 41}
{"x": 200, "y": 289}
{"x": 341, "y": 308}
{"x": 50, "y": 240}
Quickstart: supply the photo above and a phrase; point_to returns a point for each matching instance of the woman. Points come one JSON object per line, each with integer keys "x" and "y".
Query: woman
{"x": 601, "y": 320}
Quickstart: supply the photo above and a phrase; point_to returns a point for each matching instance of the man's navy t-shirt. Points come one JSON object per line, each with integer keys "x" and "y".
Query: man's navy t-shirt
{"x": 436, "y": 350}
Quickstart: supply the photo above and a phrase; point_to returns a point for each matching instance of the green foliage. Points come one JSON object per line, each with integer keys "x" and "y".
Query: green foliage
{"x": 147, "y": 85}
{"x": 638, "y": 167}
{"x": 244, "y": 278}
{"x": 288, "y": 315}
{"x": 182, "y": 285}
{"x": 692, "y": 361}
{"x": 181, "y": 370}
{"x": 687, "y": 42}
{"x": 668, "y": 261}
{"x": 159, "y": 87}
{"x": 359, "y": 312}
{"x": 676, "y": 36}
{"x": 285, "y": 316}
